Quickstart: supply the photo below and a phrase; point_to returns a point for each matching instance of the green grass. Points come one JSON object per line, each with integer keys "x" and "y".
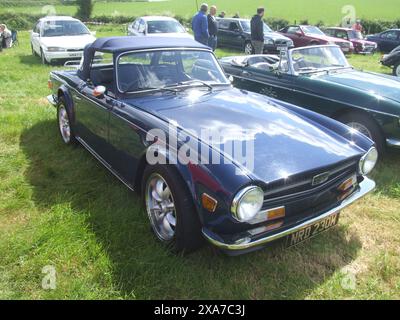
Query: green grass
{"x": 313, "y": 10}
{"x": 60, "y": 207}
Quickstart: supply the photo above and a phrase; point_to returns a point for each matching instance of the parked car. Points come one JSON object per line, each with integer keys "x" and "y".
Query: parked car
{"x": 321, "y": 79}
{"x": 360, "y": 45}
{"x": 157, "y": 26}
{"x": 56, "y": 38}
{"x": 236, "y": 33}
{"x": 392, "y": 60}
{"x": 386, "y": 40}
{"x": 131, "y": 104}
{"x": 312, "y": 36}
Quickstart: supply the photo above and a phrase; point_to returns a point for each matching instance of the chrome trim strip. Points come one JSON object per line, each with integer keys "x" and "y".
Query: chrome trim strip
{"x": 394, "y": 143}
{"x": 365, "y": 187}
{"x": 104, "y": 163}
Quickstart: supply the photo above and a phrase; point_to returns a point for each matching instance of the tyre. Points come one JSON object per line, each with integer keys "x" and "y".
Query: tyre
{"x": 42, "y": 56}
{"x": 396, "y": 70}
{"x": 248, "y": 48}
{"x": 64, "y": 123}
{"x": 367, "y": 126}
{"x": 33, "y": 51}
{"x": 170, "y": 209}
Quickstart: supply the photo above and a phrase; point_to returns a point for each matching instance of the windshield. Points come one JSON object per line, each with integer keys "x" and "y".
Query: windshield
{"x": 315, "y": 59}
{"x": 312, "y": 30}
{"x": 164, "y": 27}
{"x": 247, "y": 26}
{"x": 64, "y": 28}
{"x": 355, "y": 35}
{"x": 168, "y": 69}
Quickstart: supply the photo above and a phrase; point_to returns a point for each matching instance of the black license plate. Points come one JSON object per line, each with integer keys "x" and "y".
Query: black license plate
{"x": 312, "y": 230}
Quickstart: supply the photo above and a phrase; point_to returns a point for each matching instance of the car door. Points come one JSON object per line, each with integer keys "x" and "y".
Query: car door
{"x": 92, "y": 112}
{"x": 35, "y": 38}
{"x": 223, "y": 29}
{"x": 234, "y": 35}
{"x": 389, "y": 40}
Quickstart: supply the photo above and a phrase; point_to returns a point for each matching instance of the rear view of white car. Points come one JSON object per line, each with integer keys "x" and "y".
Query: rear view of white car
{"x": 59, "y": 38}
{"x": 157, "y": 26}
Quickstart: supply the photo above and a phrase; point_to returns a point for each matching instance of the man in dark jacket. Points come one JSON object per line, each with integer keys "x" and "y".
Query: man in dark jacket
{"x": 212, "y": 28}
{"x": 257, "y": 31}
{"x": 200, "y": 25}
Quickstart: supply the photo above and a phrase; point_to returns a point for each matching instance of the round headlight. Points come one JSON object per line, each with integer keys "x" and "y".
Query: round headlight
{"x": 247, "y": 203}
{"x": 268, "y": 41}
{"x": 368, "y": 161}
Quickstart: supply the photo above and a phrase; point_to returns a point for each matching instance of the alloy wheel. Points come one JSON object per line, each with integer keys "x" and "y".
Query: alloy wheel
{"x": 248, "y": 49}
{"x": 160, "y": 207}
{"x": 63, "y": 124}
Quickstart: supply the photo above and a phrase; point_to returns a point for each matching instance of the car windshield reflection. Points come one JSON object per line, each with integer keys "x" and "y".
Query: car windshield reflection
{"x": 158, "y": 70}
{"x": 316, "y": 59}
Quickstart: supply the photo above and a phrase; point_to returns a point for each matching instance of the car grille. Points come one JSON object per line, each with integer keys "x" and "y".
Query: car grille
{"x": 282, "y": 42}
{"x": 300, "y": 186}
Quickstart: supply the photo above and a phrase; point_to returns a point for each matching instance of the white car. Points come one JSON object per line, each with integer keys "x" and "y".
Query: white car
{"x": 60, "y": 38}
{"x": 157, "y": 26}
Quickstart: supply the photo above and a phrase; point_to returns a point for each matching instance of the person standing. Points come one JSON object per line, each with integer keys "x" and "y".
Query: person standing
{"x": 257, "y": 31}
{"x": 212, "y": 28}
{"x": 222, "y": 15}
{"x": 6, "y": 36}
{"x": 358, "y": 27}
{"x": 200, "y": 25}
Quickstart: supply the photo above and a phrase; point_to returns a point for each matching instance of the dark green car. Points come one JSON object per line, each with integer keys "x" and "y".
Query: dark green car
{"x": 320, "y": 78}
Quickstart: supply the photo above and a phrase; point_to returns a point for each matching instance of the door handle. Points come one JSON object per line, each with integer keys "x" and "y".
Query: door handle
{"x": 246, "y": 73}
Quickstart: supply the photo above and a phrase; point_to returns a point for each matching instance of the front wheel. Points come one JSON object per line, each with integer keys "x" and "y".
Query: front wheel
{"x": 367, "y": 126}
{"x": 43, "y": 57}
{"x": 248, "y": 48}
{"x": 170, "y": 209}
{"x": 396, "y": 70}
{"x": 64, "y": 123}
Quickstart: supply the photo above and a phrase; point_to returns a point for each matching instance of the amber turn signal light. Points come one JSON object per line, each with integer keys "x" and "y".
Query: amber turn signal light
{"x": 276, "y": 213}
{"x": 208, "y": 202}
{"x": 50, "y": 84}
{"x": 349, "y": 183}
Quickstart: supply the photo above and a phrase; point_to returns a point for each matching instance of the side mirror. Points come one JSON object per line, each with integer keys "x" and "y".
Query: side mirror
{"x": 99, "y": 91}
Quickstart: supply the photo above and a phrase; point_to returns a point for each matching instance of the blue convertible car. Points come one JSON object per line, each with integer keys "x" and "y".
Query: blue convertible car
{"x": 236, "y": 168}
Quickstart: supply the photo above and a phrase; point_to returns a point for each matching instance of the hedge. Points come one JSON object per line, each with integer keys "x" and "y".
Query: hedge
{"x": 26, "y": 21}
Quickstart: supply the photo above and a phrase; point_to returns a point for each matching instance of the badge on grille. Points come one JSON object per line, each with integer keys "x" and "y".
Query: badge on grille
{"x": 321, "y": 178}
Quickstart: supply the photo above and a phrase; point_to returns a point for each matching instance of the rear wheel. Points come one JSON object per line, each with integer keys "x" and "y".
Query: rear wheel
{"x": 396, "y": 70}
{"x": 248, "y": 48}
{"x": 367, "y": 126}
{"x": 170, "y": 209}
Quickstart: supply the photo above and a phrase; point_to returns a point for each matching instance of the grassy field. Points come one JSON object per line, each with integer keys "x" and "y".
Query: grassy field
{"x": 59, "y": 207}
{"x": 292, "y": 10}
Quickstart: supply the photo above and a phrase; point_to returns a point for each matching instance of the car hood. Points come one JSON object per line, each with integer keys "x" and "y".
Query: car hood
{"x": 284, "y": 142}
{"x": 275, "y": 36}
{"x": 376, "y": 84}
{"x": 68, "y": 42}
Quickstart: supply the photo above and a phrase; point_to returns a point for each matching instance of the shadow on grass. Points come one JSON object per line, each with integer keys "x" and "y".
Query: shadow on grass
{"x": 32, "y": 60}
{"x": 143, "y": 268}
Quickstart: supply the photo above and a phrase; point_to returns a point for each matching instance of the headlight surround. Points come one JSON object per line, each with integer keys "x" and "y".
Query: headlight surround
{"x": 55, "y": 49}
{"x": 269, "y": 41}
{"x": 368, "y": 161}
{"x": 247, "y": 203}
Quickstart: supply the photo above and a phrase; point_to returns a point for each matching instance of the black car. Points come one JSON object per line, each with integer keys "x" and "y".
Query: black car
{"x": 236, "y": 33}
{"x": 393, "y": 60}
{"x": 387, "y": 40}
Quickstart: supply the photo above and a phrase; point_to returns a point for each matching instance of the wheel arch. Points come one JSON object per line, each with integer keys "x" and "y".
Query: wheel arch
{"x": 69, "y": 102}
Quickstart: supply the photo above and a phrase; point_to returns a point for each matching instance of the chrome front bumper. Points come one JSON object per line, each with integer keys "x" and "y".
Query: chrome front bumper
{"x": 393, "y": 143}
{"x": 247, "y": 243}
{"x": 52, "y": 100}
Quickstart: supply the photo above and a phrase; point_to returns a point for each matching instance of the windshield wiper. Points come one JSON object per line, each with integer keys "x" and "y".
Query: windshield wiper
{"x": 151, "y": 89}
{"x": 189, "y": 82}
